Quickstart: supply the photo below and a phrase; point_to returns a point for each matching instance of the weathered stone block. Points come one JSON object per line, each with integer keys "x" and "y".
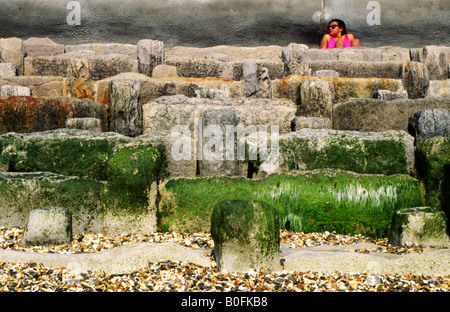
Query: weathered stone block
{"x": 68, "y": 152}
{"x": 326, "y": 73}
{"x": 8, "y": 70}
{"x": 164, "y": 113}
{"x": 203, "y": 68}
{"x": 344, "y": 88}
{"x": 360, "y": 69}
{"x": 42, "y": 47}
{"x": 25, "y": 114}
{"x": 40, "y": 86}
{"x": 301, "y": 122}
{"x": 14, "y": 91}
{"x": 433, "y": 167}
{"x": 436, "y": 59}
{"x": 213, "y": 156}
{"x": 429, "y": 123}
{"x": 416, "y": 79}
{"x": 387, "y": 95}
{"x": 48, "y": 227}
{"x": 296, "y": 59}
{"x": 12, "y": 51}
{"x": 316, "y": 98}
{"x": 306, "y": 201}
{"x": 255, "y": 80}
{"x": 246, "y": 236}
{"x": 150, "y": 53}
{"x": 91, "y": 124}
{"x": 439, "y": 88}
{"x": 104, "y": 49}
{"x": 423, "y": 226}
{"x": 152, "y": 88}
{"x": 79, "y": 82}
{"x": 161, "y": 71}
{"x": 125, "y": 113}
{"x": 388, "y": 152}
{"x": 24, "y": 192}
{"x": 379, "y": 115}
{"x": 353, "y": 56}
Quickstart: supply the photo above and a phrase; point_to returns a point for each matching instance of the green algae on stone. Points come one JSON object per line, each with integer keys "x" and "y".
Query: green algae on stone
{"x": 130, "y": 173}
{"x": 245, "y": 234}
{"x": 389, "y": 152}
{"x": 67, "y": 152}
{"x": 309, "y": 201}
{"x": 433, "y": 166}
{"x": 23, "y": 192}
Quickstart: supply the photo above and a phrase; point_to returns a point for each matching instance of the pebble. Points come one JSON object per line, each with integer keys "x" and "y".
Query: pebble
{"x": 179, "y": 276}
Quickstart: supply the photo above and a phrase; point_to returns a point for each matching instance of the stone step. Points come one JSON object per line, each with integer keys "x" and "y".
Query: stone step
{"x": 306, "y": 201}
{"x": 25, "y": 114}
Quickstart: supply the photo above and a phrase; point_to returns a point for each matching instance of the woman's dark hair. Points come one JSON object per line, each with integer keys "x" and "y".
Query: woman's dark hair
{"x": 341, "y": 25}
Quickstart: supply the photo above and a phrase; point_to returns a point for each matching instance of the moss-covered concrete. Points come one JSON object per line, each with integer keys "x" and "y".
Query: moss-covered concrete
{"x": 23, "y": 192}
{"x": 130, "y": 172}
{"x": 246, "y": 235}
{"x": 67, "y": 152}
{"x": 309, "y": 201}
{"x": 389, "y": 152}
{"x": 433, "y": 167}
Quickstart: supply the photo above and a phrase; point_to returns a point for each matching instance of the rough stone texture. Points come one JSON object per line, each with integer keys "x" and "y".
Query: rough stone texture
{"x": 213, "y": 152}
{"x": 423, "y": 226}
{"x": 203, "y": 68}
{"x": 150, "y": 53}
{"x": 24, "y": 192}
{"x": 433, "y": 167}
{"x": 40, "y": 86}
{"x": 26, "y": 114}
{"x": 91, "y": 124}
{"x": 255, "y": 80}
{"x": 390, "y": 95}
{"x": 416, "y": 79}
{"x": 246, "y": 236}
{"x": 125, "y": 113}
{"x": 379, "y": 115}
{"x": 353, "y": 56}
{"x": 436, "y": 60}
{"x": 428, "y": 123}
{"x": 100, "y": 66}
{"x": 301, "y": 122}
{"x": 152, "y": 88}
{"x": 104, "y": 48}
{"x": 161, "y": 71}
{"x": 8, "y": 70}
{"x": 387, "y": 152}
{"x": 344, "y": 88}
{"x": 79, "y": 82}
{"x": 42, "y": 47}
{"x": 296, "y": 59}
{"x": 48, "y": 227}
{"x": 164, "y": 113}
{"x": 12, "y": 50}
{"x": 14, "y": 91}
{"x": 439, "y": 88}
{"x": 326, "y": 73}
{"x": 271, "y": 53}
{"x": 316, "y": 98}
{"x": 360, "y": 69}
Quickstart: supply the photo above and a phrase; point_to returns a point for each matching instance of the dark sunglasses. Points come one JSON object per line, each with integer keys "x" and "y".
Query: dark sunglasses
{"x": 333, "y": 26}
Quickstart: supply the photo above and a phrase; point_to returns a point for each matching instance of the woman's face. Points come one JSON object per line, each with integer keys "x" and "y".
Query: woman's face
{"x": 334, "y": 31}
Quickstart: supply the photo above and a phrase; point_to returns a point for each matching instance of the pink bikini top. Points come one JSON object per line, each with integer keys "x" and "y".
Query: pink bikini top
{"x": 332, "y": 42}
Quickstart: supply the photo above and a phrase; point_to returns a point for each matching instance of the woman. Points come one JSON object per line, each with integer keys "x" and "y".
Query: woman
{"x": 337, "y": 36}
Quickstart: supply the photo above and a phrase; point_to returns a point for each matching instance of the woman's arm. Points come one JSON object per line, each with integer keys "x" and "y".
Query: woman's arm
{"x": 355, "y": 42}
{"x": 324, "y": 42}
